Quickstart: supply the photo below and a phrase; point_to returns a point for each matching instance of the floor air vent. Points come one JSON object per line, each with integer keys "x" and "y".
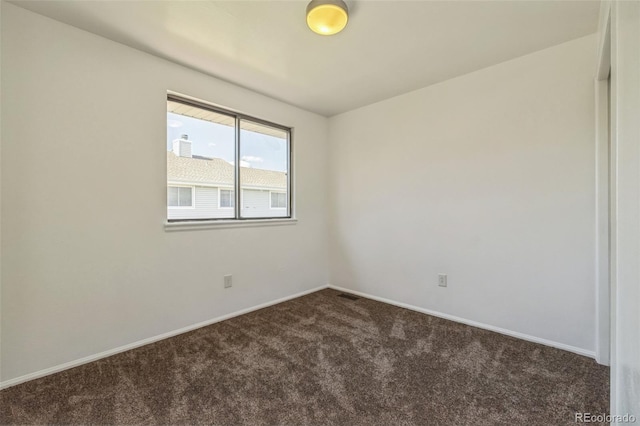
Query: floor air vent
{"x": 348, "y": 296}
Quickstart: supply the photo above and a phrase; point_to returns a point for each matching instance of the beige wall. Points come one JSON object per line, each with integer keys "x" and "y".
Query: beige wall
{"x": 488, "y": 178}
{"x": 86, "y": 263}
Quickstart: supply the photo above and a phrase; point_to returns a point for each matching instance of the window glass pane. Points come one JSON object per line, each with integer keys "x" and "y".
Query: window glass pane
{"x": 172, "y": 196}
{"x": 185, "y": 197}
{"x": 278, "y": 200}
{"x": 264, "y": 164}
{"x": 200, "y": 153}
{"x": 201, "y": 165}
{"x": 227, "y": 198}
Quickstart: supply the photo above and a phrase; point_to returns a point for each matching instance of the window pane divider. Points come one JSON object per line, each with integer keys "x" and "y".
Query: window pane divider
{"x": 236, "y": 184}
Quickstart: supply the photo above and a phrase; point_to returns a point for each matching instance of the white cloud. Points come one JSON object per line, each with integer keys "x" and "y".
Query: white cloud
{"x": 174, "y": 123}
{"x": 212, "y": 144}
{"x": 253, "y": 159}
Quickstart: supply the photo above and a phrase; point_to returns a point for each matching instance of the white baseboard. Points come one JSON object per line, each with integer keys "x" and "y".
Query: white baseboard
{"x": 91, "y": 358}
{"x": 569, "y": 348}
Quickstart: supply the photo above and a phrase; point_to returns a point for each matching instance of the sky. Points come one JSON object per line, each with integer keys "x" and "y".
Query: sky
{"x": 216, "y": 140}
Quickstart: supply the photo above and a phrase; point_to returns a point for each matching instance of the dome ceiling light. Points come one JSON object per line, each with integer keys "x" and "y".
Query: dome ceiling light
{"x": 327, "y": 17}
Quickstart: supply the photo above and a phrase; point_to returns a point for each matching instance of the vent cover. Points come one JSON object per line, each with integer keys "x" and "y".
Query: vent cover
{"x": 348, "y": 296}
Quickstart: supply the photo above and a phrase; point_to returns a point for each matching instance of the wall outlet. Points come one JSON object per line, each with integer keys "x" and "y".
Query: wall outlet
{"x": 442, "y": 280}
{"x": 228, "y": 281}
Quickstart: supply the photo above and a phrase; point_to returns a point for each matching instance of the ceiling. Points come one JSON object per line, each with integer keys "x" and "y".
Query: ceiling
{"x": 388, "y": 47}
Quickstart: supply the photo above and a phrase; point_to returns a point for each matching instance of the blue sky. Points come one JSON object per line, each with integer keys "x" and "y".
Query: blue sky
{"x": 216, "y": 140}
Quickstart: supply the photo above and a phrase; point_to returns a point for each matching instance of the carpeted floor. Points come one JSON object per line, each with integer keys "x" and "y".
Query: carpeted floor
{"x": 316, "y": 360}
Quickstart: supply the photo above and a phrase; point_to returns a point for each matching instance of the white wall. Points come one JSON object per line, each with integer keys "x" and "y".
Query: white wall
{"x": 81, "y": 121}
{"x": 488, "y": 178}
{"x": 0, "y": 187}
{"x": 625, "y": 229}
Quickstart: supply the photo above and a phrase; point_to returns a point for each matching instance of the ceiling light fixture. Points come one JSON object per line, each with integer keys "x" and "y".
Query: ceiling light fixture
{"x": 327, "y": 17}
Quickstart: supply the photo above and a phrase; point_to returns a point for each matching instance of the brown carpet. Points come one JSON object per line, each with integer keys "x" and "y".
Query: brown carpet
{"x": 321, "y": 359}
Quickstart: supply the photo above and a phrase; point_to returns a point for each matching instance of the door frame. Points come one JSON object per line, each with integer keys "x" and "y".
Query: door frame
{"x": 604, "y": 272}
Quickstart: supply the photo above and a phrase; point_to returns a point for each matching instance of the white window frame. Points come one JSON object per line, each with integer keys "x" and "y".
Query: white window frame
{"x": 271, "y": 200}
{"x": 220, "y": 198}
{"x": 193, "y": 196}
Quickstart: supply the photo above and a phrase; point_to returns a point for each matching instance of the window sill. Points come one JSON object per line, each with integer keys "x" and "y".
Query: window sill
{"x": 231, "y": 223}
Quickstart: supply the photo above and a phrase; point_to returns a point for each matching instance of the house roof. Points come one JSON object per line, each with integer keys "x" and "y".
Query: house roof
{"x": 216, "y": 171}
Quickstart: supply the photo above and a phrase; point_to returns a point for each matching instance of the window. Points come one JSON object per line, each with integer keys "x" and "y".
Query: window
{"x": 239, "y": 166}
{"x": 278, "y": 200}
{"x": 180, "y": 196}
{"x": 227, "y": 198}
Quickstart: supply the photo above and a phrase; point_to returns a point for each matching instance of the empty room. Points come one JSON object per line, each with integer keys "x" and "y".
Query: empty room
{"x": 325, "y": 212}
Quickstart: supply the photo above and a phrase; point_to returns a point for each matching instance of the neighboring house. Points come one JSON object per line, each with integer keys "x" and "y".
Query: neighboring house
{"x": 202, "y": 188}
